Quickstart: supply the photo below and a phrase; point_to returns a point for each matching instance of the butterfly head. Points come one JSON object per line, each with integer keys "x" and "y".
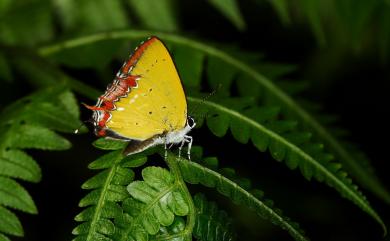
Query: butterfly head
{"x": 190, "y": 122}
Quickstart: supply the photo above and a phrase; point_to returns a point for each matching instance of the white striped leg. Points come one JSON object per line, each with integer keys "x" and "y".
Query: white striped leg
{"x": 166, "y": 151}
{"x": 189, "y": 139}
{"x": 181, "y": 146}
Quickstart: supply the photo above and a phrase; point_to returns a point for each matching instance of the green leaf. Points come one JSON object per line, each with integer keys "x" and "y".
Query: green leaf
{"x": 9, "y": 223}
{"x": 156, "y": 14}
{"x": 189, "y": 64}
{"x": 70, "y": 103}
{"x": 230, "y": 9}
{"x": 356, "y": 21}
{"x": 18, "y": 164}
{"x": 105, "y": 161}
{"x": 281, "y": 8}
{"x": 133, "y": 162}
{"x": 30, "y": 136}
{"x": 154, "y": 203}
{"x": 5, "y": 5}
{"x": 54, "y": 108}
{"x": 92, "y": 15}
{"x": 310, "y": 157}
{"x": 195, "y": 173}
{"x": 275, "y": 71}
{"x": 17, "y": 27}
{"x": 96, "y": 56}
{"x": 15, "y": 196}
{"x": 218, "y": 124}
{"x": 108, "y": 189}
{"x": 313, "y": 12}
{"x": 4, "y": 238}
{"x": 29, "y": 123}
{"x": 211, "y": 223}
{"x": 109, "y": 144}
{"x": 384, "y": 38}
{"x": 5, "y": 69}
{"x": 219, "y": 77}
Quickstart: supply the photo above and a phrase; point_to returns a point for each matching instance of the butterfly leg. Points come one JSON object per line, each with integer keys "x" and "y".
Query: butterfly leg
{"x": 166, "y": 151}
{"x": 181, "y": 146}
{"x": 189, "y": 139}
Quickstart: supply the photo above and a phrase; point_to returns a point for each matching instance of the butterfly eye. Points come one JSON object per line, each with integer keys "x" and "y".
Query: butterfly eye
{"x": 191, "y": 122}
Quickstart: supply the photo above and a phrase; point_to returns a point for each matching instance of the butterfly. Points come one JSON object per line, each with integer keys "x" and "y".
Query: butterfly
{"x": 145, "y": 104}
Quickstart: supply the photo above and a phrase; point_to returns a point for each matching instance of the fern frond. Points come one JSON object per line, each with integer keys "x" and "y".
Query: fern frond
{"x": 230, "y": 9}
{"x": 9, "y": 223}
{"x": 154, "y": 203}
{"x": 30, "y": 123}
{"x": 108, "y": 189}
{"x": 355, "y": 161}
{"x": 176, "y": 231}
{"x": 360, "y": 167}
{"x": 352, "y": 25}
{"x": 211, "y": 223}
{"x": 164, "y": 16}
{"x": 285, "y": 142}
{"x": 119, "y": 208}
{"x": 195, "y": 173}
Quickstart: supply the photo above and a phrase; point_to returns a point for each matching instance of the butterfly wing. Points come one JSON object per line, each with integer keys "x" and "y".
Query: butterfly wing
{"x": 157, "y": 103}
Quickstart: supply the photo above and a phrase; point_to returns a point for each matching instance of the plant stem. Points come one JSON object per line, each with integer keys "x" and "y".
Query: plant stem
{"x": 171, "y": 161}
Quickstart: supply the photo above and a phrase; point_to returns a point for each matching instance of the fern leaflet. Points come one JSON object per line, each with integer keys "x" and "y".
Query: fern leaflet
{"x": 120, "y": 208}
{"x": 154, "y": 203}
{"x": 29, "y": 123}
{"x": 262, "y": 127}
{"x": 238, "y": 190}
{"x": 108, "y": 189}
{"x": 211, "y": 223}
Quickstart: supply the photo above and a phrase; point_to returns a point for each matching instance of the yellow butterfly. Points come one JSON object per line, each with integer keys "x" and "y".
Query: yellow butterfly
{"x": 145, "y": 105}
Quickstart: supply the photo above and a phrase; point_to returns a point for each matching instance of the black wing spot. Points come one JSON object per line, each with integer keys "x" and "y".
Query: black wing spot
{"x": 164, "y": 107}
{"x": 136, "y": 123}
{"x": 150, "y": 90}
{"x": 163, "y": 59}
{"x": 150, "y": 112}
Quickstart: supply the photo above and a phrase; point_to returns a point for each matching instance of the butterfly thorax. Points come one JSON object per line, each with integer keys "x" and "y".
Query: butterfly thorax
{"x": 175, "y": 137}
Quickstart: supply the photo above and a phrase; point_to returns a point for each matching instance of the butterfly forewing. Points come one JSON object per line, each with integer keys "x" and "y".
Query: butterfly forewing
{"x": 157, "y": 104}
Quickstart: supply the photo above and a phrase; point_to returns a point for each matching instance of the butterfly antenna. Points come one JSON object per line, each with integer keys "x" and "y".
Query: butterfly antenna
{"x": 195, "y": 109}
{"x": 82, "y": 124}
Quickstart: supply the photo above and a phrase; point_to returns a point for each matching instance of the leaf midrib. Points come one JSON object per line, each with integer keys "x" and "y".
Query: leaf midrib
{"x": 297, "y": 150}
{"x": 248, "y": 194}
{"x": 150, "y": 205}
{"x": 101, "y": 200}
{"x": 17, "y": 197}
{"x": 20, "y": 166}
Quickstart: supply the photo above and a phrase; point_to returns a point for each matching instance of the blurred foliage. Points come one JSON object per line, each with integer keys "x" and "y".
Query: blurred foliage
{"x": 273, "y": 115}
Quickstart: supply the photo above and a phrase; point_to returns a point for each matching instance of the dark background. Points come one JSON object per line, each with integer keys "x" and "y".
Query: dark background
{"x": 352, "y": 85}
